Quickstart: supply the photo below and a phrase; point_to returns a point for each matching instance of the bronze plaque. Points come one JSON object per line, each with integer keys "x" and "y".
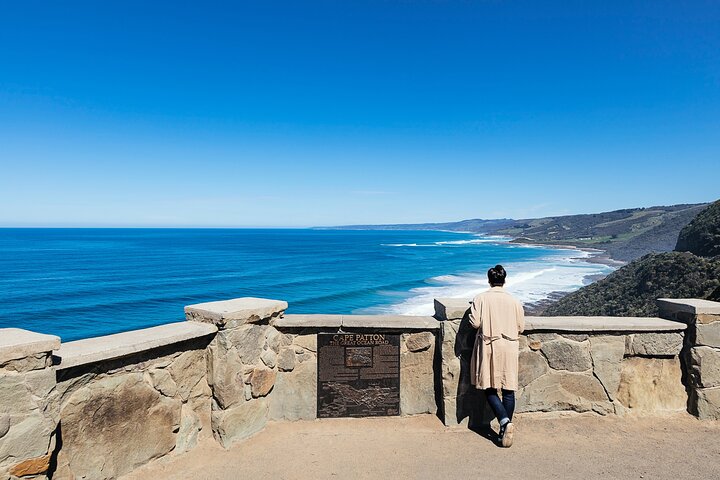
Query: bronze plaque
{"x": 358, "y": 375}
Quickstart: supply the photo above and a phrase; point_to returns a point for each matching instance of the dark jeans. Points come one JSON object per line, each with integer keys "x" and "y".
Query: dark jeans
{"x": 504, "y": 408}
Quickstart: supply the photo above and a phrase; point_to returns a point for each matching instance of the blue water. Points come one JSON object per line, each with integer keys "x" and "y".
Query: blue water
{"x": 79, "y": 283}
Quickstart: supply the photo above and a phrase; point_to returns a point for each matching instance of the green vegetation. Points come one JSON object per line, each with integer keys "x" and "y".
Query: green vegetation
{"x": 702, "y": 235}
{"x": 691, "y": 272}
{"x": 624, "y": 234}
{"x": 632, "y": 290}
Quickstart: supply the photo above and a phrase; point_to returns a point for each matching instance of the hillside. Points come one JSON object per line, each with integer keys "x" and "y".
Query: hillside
{"x": 702, "y": 235}
{"x": 475, "y": 225}
{"x": 624, "y": 234}
{"x": 632, "y": 289}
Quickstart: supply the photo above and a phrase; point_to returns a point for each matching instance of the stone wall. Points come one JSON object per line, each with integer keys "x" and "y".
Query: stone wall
{"x": 28, "y": 416}
{"x": 101, "y": 407}
{"x": 123, "y": 404}
{"x": 599, "y": 364}
{"x": 263, "y": 364}
{"x": 701, "y": 352}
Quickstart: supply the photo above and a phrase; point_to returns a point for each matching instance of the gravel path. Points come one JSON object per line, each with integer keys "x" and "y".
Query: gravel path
{"x": 558, "y": 446}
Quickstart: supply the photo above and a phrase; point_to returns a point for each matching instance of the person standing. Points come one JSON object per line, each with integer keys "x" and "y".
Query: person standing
{"x": 499, "y": 319}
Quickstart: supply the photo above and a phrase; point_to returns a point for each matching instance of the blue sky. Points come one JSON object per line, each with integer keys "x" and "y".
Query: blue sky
{"x": 320, "y": 113}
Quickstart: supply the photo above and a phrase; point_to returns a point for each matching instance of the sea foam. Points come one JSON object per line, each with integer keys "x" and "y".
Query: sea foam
{"x": 530, "y": 281}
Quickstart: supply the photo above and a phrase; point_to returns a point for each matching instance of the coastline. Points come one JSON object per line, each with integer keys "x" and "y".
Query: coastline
{"x": 537, "y": 283}
{"x": 596, "y": 256}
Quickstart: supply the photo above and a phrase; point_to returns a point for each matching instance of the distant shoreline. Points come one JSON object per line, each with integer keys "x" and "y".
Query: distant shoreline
{"x": 597, "y": 256}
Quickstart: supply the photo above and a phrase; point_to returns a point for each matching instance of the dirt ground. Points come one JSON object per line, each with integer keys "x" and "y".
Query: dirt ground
{"x": 559, "y": 446}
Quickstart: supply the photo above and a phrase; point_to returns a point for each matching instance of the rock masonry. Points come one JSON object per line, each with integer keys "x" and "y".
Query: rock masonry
{"x": 119, "y": 414}
{"x": 701, "y": 351}
{"x": 601, "y": 372}
{"x": 28, "y": 415}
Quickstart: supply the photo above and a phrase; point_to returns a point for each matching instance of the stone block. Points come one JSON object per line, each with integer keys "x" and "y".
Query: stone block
{"x": 563, "y": 354}
{"x": 27, "y": 437}
{"x": 651, "y": 384}
{"x": 190, "y": 427}
{"x": 162, "y": 381}
{"x": 450, "y": 412}
{"x": 705, "y": 366}
{"x": 273, "y": 339}
{"x": 25, "y": 392}
{"x": 417, "y": 342}
{"x": 247, "y": 340}
{"x": 115, "y": 424}
{"x": 240, "y": 421}
{"x": 536, "y": 340}
{"x": 694, "y": 306}
{"x": 707, "y": 403}
{"x": 33, "y": 466}
{"x": 308, "y": 342}
{"x": 523, "y": 343}
{"x": 286, "y": 359}
{"x": 228, "y": 314}
{"x": 188, "y": 370}
{"x": 652, "y": 344}
{"x": 578, "y": 337}
{"x": 417, "y": 382}
{"x": 262, "y": 380}
{"x": 225, "y": 375}
{"x": 38, "y": 361}
{"x": 469, "y": 409}
{"x": 531, "y": 365}
{"x": 451, "y": 308}
{"x": 708, "y": 334}
{"x": 607, "y": 354}
{"x": 269, "y": 358}
{"x": 16, "y": 343}
{"x": 4, "y": 424}
{"x": 558, "y": 391}
{"x": 706, "y": 318}
{"x": 294, "y": 396}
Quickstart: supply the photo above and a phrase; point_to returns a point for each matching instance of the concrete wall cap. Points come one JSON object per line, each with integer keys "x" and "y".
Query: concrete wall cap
{"x": 451, "y": 308}
{"x": 308, "y": 320}
{"x": 395, "y": 322}
{"x": 400, "y": 322}
{"x": 690, "y": 305}
{"x": 224, "y": 311}
{"x": 16, "y": 343}
{"x": 92, "y": 350}
{"x": 603, "y": 324}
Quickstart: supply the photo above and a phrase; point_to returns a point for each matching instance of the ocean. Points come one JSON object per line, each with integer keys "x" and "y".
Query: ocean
{"x": 80, "y": 283}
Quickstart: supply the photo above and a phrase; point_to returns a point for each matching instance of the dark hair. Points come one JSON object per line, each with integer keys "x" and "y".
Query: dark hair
{"x": 496, "y": 276}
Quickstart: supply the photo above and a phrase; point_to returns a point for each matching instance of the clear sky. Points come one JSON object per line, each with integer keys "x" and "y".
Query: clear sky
{"x": 318, "y": 113}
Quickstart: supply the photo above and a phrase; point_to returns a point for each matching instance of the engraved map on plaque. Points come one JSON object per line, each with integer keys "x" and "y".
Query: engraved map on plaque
{"x": 358, "y": 375}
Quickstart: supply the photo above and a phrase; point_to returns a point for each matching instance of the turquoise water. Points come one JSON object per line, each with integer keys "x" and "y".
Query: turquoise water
{"x": 79, "y": 283}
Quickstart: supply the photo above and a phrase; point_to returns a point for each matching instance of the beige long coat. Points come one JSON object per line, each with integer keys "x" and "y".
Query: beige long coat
{"x": 499, "y": 318}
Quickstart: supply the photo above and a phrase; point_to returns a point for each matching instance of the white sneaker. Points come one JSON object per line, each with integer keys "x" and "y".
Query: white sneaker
{"x": 507, "y": 438}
